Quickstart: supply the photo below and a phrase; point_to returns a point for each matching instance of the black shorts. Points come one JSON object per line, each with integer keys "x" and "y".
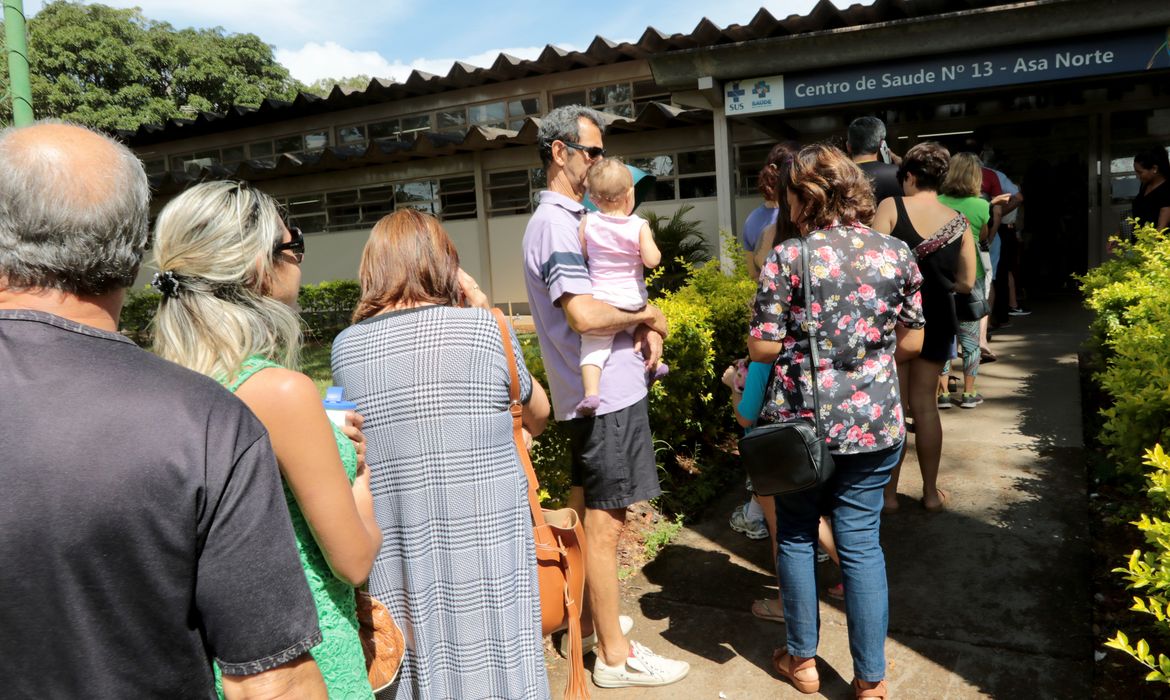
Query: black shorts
{"x": 613, "y": 457}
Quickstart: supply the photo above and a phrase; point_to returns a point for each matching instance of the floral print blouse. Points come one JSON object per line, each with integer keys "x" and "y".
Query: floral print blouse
{"x": 863, "y": 283}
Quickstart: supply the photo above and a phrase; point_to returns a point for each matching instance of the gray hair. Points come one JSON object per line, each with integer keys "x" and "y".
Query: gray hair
{"x": 67, "y": 226}
{"x": 216, "y": 239}
{"x": 865, "y": 135}
{"x": 562, "y": 124}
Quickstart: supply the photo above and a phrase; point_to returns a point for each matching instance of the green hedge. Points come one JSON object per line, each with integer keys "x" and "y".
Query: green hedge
{"x": 689, "y": 412}
{"x": 1130, "y": 347}
{"x": 325, "y": 310}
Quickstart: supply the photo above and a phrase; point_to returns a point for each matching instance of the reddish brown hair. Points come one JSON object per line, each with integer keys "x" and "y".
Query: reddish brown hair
{"x": 409, "y": 259}
{"x": 768, "y": 180}
{"x": 830, "y": 187}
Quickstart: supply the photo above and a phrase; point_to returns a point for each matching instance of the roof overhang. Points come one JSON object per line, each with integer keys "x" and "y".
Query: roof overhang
{"x": 845, "y": 41}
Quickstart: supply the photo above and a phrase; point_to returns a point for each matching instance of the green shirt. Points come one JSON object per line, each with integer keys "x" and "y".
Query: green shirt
{"x": 978, "y": 212}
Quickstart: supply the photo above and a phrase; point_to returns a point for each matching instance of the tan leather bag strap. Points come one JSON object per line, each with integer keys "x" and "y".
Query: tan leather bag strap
{"x": 517, "y": 410}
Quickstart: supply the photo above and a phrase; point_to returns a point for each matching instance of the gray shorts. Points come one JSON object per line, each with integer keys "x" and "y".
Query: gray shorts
{"x": 613, "y": 457}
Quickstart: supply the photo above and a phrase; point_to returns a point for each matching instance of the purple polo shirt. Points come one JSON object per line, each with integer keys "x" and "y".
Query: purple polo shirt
{"x": 553, "y": 267}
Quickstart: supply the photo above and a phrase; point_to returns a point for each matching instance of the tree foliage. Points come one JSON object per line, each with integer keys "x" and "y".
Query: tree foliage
{"x": 116, "y": 69}
{"x": 324, "y": 86}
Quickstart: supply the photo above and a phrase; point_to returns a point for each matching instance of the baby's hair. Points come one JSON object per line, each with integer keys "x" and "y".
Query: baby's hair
{"x": 609, "y": 179}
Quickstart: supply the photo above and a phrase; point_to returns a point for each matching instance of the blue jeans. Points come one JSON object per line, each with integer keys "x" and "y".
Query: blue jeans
{"x": 853, "y": 497}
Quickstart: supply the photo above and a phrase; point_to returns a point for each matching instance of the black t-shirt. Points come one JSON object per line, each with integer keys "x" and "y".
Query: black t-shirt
{"x": 1147, "y": 206}
{"x": 884, "y": 178}
{"x": 143, "y": 525}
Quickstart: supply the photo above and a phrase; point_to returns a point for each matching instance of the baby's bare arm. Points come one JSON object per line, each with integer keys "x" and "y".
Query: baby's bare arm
{"x": 651, "y": 256}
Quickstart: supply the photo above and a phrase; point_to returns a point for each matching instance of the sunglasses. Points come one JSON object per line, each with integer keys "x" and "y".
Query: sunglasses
{"x": 295, "y": 245}
{"x": 594, "y": 152}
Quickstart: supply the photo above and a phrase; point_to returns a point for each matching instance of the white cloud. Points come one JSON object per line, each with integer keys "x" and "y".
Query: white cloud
{"x": 331, "y": 60}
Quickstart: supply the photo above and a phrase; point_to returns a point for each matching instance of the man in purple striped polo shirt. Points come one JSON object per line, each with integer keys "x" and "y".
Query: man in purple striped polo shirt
{"x": 612, "y": 452}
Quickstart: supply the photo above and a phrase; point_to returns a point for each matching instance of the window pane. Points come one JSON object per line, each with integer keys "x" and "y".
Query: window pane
{"x": 290, "y": 144}
{"x": 409, "y": 193}
{"x": 413, "y": 125}
{"x": 649, "y": 88}
{"x": 696, "y": 162}
{"x": 457, "y": 198}
{"x": 343, "y": 197}
{"x": 382, "y": 193}
{"x": 452, "y": 120}
{"x": 305, "y": 204}
{"x": 508, "y": 179}
{"x": 344, "y": 217}
{"x": 609, "y": 94}
{"x": 374, "y": 211}
{"x": 262, "y": 149}
{"x": 384, "y": 130}
{"x": 658, "y": 166}
{"x": 569, "y": 98}
{"x": 233, "y": 154}
{"x": 692, "y": 187}
{"x": 316, "y": 141}
{"x": 624, "y": 109}
{"x": 537, "y": 178}
{"x": 488, "y": 115}
{"x": 155, "y": 166}
{"x": 178, "y": 163}
{"x": 663, "y": 191}
{"x": 508, "y": 192}
{"x": 312, "y": 223}
{"x": 524, "y": 107}
{"x": 351, "y": 135}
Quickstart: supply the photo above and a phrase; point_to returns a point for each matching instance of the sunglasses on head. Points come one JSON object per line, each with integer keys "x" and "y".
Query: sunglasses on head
{"x": 594, "y": 152}
{"x": 295, "y": 245}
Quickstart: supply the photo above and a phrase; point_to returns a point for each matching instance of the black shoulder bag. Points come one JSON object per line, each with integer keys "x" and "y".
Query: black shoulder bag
{"x": 791, "y": 456}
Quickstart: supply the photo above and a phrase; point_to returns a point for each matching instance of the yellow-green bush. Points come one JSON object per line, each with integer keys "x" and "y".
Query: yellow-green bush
{"x": 1148, "y": 572}
{"x": 1130, "y": 295}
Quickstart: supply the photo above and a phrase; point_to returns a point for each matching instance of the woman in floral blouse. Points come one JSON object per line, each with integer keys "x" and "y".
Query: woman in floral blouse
{"x": 865, "y": 312}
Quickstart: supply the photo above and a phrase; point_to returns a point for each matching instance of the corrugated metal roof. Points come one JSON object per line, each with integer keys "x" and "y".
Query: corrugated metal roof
{"x": 824, "y": 16}
{"x": 426, "y": 145}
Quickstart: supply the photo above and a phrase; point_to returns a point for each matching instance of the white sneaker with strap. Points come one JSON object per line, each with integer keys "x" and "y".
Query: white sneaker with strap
{"x": 642, "y": 668}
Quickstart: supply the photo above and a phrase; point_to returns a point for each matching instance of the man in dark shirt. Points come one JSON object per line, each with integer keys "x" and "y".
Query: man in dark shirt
{"x": 143, "y": 528}
{"x": 864, "y": 141}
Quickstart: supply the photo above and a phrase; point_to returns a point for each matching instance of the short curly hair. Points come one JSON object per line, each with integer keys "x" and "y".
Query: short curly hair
{"x": 830, "y": 188}
{"x": 928, "y": 161}
{"x": 778, "y": 158}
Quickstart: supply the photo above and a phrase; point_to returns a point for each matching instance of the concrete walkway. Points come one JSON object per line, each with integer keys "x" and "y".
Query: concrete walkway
{"x": 989, "y": 599}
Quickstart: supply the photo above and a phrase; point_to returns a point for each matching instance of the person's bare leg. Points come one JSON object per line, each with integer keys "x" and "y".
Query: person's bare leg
{"x": 577, "y": 503}
{"x": 825, "y": 539}
{"x": 927, "y": 426}
{"x": 891, "y": 490}
{"x": 602, "y": 528}
{"x": 1013, "y": 302}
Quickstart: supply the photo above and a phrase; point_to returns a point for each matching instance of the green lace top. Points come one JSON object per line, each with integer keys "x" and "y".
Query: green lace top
{"x": 339, "y": 655}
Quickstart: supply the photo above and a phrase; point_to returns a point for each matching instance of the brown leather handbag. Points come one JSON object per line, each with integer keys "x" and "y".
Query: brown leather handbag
{"x": 560, "y": 545}
{"x": 382, "y": 641}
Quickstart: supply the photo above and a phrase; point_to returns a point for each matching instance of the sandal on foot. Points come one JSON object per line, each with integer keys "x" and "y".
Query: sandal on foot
{"x": 768, "y": 609}
{"x": 944, "y": 499}
{"x": 878, "y": 691}
{"x": 785, "y": 664}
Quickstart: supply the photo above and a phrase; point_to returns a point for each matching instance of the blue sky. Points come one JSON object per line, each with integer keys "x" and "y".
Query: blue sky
{"x": 388, "y": 38}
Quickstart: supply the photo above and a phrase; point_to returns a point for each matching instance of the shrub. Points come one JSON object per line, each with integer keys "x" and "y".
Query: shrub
{"x": 681, "y": 242}
{"x": 1130, "y": 295}
{"x": 1149, "y": 571}
{"x": 138, "y": 312}
{"x": 326, "y": 307}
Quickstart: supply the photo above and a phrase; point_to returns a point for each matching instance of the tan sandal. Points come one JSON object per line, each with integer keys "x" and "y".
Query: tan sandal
{"x": 785, "y": 664}
{"x": 881, "y": 690}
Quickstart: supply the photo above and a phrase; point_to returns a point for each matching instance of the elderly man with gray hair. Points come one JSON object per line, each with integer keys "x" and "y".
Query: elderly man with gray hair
{"x": 145, "y": 527}
{"x": 613, "y": 463}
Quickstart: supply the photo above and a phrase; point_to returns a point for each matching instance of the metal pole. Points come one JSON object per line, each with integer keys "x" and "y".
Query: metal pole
{"x": 19, "y": 87}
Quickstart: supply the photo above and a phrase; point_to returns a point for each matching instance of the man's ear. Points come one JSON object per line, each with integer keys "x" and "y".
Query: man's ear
{"x": 559, "y": 151}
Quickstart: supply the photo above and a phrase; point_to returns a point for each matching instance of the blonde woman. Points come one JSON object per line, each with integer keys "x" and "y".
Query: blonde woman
{"x": 960, "y": 191}
{"x": 229, "y": 280}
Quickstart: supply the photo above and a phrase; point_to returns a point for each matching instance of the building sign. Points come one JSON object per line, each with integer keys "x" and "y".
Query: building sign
{"x": 1017, "y": 65}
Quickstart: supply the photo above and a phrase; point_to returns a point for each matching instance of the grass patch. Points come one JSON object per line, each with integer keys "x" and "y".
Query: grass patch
{"x": 661, "y": 535}
{"x": 315, "y": 363}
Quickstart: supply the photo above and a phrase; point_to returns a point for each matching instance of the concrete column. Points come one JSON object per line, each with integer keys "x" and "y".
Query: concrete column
{"x": 724, "y": 182}
{"x": 484, "y": 277}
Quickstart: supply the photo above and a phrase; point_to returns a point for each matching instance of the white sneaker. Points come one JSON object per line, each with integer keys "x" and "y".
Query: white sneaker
{"x": 642, "y": 668}
{"x": 752, "y": 529}
{"x": 589, "y": 643}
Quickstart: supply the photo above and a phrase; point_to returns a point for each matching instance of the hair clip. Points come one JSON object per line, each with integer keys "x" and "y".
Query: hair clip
{"x": 166, "y": 284}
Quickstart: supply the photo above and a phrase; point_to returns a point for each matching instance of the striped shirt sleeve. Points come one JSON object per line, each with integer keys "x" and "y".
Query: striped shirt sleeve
{"x": 562, "y": 266}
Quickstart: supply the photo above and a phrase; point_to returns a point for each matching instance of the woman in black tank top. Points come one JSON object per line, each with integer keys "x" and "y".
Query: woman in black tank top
{"x": 946, "y": 258}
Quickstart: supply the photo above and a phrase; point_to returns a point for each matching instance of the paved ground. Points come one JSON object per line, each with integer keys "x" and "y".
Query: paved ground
{"x": 989, "y": 599}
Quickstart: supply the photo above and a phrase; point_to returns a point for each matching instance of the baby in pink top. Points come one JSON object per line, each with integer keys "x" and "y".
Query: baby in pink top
{"x": 617, "y": 245}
